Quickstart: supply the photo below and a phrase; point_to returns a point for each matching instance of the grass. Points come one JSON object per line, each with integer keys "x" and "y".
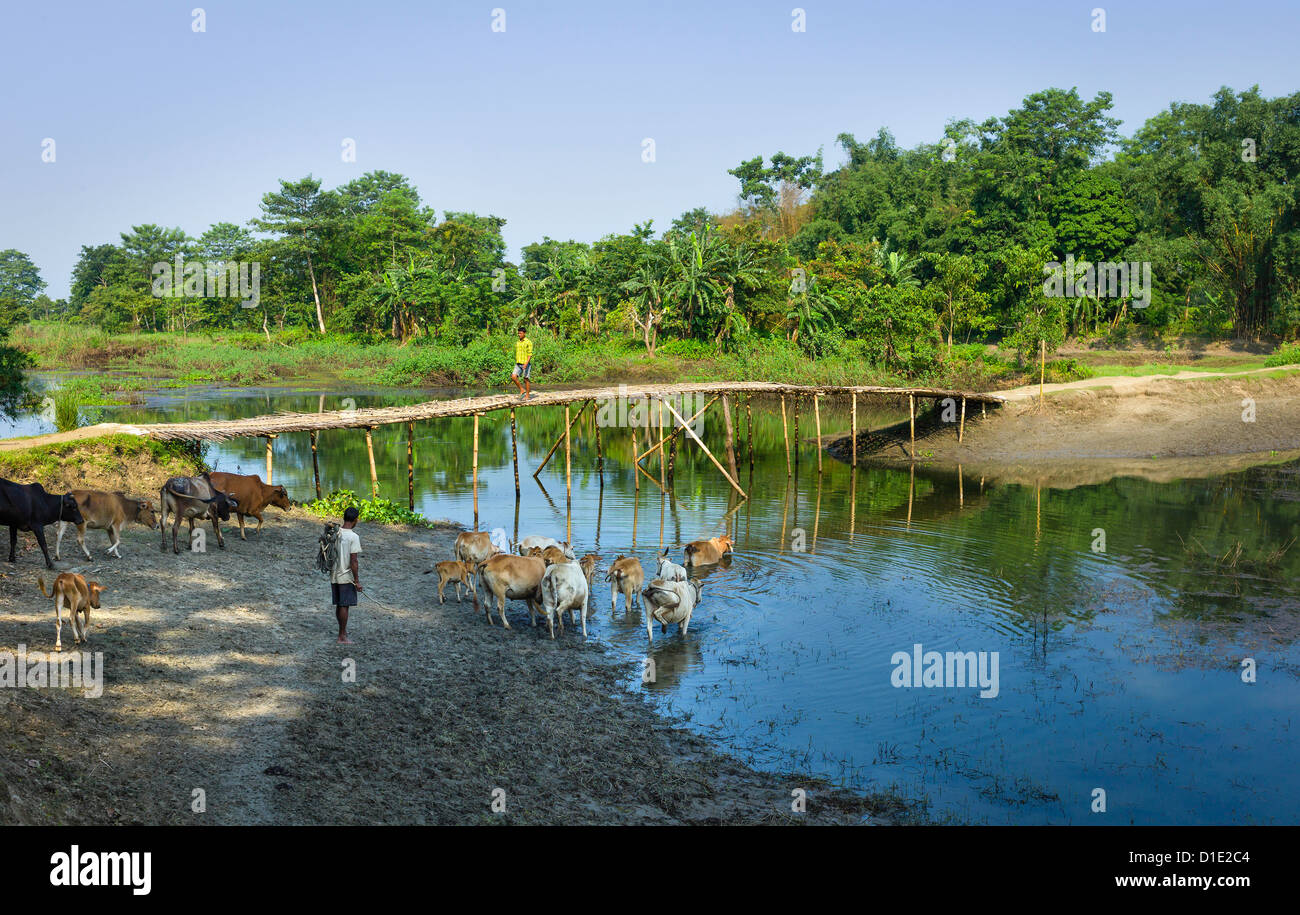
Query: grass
{"x": 112, "y": 462}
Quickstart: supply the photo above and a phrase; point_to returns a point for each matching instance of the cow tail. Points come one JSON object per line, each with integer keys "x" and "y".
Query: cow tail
{"x": 40, "y": 580}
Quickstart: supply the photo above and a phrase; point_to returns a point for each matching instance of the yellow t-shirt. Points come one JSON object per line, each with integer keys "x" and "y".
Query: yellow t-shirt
{"x": 524, "y": 351}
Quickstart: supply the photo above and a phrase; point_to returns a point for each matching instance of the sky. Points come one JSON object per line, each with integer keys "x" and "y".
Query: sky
{"x": 543, "y": 123}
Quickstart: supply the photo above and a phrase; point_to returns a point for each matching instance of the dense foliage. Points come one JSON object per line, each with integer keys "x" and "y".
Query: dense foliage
{"x": 893, "y": 258}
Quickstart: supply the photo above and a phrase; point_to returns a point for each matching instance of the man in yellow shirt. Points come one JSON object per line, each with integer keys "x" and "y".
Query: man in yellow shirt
{"x": 523, "y": 366}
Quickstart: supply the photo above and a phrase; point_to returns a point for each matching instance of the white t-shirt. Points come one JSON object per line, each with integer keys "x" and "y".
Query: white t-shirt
{"x": 349, "y": 545}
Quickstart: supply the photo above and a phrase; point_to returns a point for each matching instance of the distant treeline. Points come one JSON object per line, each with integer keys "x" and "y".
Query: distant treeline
{"x": 893, "y": 257}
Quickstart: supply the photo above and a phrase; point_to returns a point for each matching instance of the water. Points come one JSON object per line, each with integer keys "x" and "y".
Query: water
{"x": 1119, "y": 670}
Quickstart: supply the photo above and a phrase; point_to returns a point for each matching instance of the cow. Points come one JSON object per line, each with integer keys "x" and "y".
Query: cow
{"x": 454, "y": 570}
{"x": 670, "y": 602}
{"x": 474, "y": 547}
{"x": 106, "y": 511}
{"x": 80, "y": 596}
{"x": 625, "y": 574}
{"x": 588, "y": 564}
{"x": 28, "y": 507}
{"x": 564, "y": 587}
{"x": 190, "y": 498}
{"x": 536, "y": 541}
{"x": 551, "y": 554}
{"x": 252, "y": 494}
{"x": 669, "y": 570}
{"x": 707, "y": 552}
{"x": 516, "y": 577}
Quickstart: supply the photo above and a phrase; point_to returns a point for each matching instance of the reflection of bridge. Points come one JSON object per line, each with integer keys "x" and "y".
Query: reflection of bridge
{"x": 660, "y": 400}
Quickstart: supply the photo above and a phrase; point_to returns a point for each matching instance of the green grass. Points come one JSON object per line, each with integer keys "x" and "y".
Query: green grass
{"x": 116, "y": 461}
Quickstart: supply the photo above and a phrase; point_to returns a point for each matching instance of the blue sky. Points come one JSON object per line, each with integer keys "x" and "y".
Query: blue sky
{"x": 542, "y": 124}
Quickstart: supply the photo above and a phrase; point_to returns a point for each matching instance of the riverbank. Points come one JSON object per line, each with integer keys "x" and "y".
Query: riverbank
{"x": 1158, "y": 428}
{"x": 222, "y": 674}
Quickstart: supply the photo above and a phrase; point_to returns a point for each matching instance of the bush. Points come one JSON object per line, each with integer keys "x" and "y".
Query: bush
{"x": 1285, "y": 355}
{"x": 382, "y": 511}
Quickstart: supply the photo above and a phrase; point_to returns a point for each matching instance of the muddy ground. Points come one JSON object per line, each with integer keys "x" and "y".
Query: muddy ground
{"x": 1087, "y": 432}
{"x": 222, "y": 674}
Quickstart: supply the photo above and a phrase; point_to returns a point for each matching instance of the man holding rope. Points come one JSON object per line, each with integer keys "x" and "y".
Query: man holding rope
{"x": 345, "y": 577}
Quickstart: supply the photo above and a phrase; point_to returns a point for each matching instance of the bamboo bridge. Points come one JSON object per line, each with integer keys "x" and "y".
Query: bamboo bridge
{"x": 657, "y": 398}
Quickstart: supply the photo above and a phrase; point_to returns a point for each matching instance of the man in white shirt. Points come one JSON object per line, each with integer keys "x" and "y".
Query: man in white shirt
{"x": 345, "y": 577}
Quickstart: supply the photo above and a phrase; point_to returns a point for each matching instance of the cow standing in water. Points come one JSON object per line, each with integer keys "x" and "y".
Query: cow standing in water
{"x": 190, "y": 498}
{"x": 28, "y": 507}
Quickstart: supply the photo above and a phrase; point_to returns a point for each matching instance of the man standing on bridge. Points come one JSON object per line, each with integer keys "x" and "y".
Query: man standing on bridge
{"x": 523, "y": 365}
{"x": 345, "y": 577}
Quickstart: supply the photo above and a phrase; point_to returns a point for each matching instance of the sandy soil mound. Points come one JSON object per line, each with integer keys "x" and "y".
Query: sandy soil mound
{"x": 1160, "y": 429}
{"x": 222, "y": 675}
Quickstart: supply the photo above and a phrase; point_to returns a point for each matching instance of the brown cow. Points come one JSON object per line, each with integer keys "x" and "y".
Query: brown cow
{"x": 80, "y": 597}
{"x": 252, "y": 496}
{"x": 106, "y": 511}
{"x": 474, "y": 546}
{"x": 707, "y": 552}
{"x": 515, "y": 577}
{"x": 625, "y": 574}
{"x": 454, "y": 570}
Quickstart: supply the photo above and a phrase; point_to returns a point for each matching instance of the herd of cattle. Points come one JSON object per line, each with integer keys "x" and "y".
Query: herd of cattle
{"x": 28, "y": 507}
{"x": 545, "y": 573}
{"x": 552, "y": 580}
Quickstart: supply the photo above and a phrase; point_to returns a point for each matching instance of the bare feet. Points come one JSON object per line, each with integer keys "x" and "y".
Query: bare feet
{"x": 343, "y": 640}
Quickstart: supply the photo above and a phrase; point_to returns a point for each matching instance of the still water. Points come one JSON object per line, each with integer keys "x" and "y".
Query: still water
{"x": 1119, "y": 669}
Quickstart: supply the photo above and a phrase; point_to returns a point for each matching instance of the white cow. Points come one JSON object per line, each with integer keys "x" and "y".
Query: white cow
{"x": 669, "y": 570}
{"x": 670, "y": 602}
{"x": 564, "y": 587}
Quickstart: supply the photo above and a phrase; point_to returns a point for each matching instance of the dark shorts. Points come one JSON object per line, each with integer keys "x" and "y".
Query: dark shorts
{"x": 522, "y": 371}
{"x": 344, "y": 595}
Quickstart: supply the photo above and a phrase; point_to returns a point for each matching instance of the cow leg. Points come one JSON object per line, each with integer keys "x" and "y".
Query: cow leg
{"x": 39, "y": 531}
{"x": 81, "y": 541}
{"x": 241, "y": 526}
{"x": 649, "y": 627}
{"x": 686, "y": 623}
{"x": 216, "y": 526}
{"x": 13, "y": 541}
{"x": 613, "y": 596}
{"x": 501, "y": 609}
{"x": 440, "y": 586}
{"x": 584, "y": 615}
{"x": 58, "y": 619}
{"x": 85, "y": 624}
{"x": 176, "y": 529}
{"x": 114, "y": 540}
{"x": 58, "y": 540}
{"x": 259, "y": 524}
{"x": 550, "y": 621}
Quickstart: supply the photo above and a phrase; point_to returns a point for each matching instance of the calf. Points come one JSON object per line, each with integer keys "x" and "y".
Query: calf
{"x": 515, "y": 577}
{"x": 670, "y": 602}
{"x": 625, "y": 574}
{"x": 28, "y": 507}
{"x": 669, "y": 570}
{"x": 251, "y": 494}
{"x": 588, "y": 565}
{"x": 564, "y": 587}
{"x": 457, "y": 571}
{"x": 551, "y": 554}
{"x": 474, "y": 546}
{"x": 190, "y": 498}
{"x": 72, "y": 590}
{"x": 106, "y": 511}
{"x": 707, "y": 552}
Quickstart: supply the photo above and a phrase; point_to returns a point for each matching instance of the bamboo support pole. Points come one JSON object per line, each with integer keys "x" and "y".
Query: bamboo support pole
{"x": 961, "y": 425}
{"x": 475, "y": 471}
{"x": 677, "y": 431}
{"x": 853, "y": 429}
{"x": 663, "y": 470}
{"x": 749, "y": 424}
{"x": 370, "y": 450}
{"x": 568, "y": 457}
{"x": 514, "y": 450}
{"x": 563, "y": 435}
{"x": 708, "y": 453}
{"x": 1042, "y": 368}
{"x": 729, "y": 436}
{"x": 410, "y": 466}
{"x": 817, "y": 413}
{"x": 636, "y": 477}
{"x": 785, "y": 431}
{"x": 600, "y": 450}
{"x": 315, "y": 465}
{"x": 911, "y": 422}
{"x": 269, "y": 440}
{"x": 797, "y": 401}
{"x": 672, "y": 460}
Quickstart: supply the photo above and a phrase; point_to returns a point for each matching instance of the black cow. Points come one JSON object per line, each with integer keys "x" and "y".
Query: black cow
{"x": 28, "y": 507}
{"x": 190, "y": 498}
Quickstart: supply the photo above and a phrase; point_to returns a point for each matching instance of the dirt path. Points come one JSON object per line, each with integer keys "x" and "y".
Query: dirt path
{"x": 1130, "y": 384}
{"x": 1160, "y": 428}
{"x": 222, "y": 675}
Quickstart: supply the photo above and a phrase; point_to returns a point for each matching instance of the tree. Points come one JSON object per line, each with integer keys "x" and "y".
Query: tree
{"x": 20, "y": 284}
{"x": 956, "y": 285}
{"x": 303, "y": 216}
